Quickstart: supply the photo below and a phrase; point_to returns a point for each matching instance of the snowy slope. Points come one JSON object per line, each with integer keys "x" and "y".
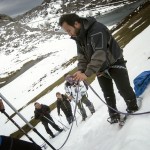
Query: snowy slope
{"x": 96, "y": 133}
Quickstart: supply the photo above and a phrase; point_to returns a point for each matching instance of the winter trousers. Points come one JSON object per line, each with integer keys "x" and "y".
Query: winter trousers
{"x": 9, "y": 143}
{"x": 84, "y": 100}
{"x": 121, "y": 79}
{"x": 52, "y": 123}
{"x": 69, "y": 115}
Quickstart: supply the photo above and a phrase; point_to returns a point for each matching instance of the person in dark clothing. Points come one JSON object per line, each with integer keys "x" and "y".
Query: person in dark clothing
{"x": 9, "y": 143}
{"x": 42, "y": 112}
{"x": 99, "y": 53}
{"x": 64, "y": 104}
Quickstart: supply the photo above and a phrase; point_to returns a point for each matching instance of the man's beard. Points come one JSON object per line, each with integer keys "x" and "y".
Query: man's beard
{"x": 77, "y": 31}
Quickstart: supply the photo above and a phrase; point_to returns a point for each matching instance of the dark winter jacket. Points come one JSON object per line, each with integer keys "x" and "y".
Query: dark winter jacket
{"x": 10, "y": 143}
{"x": 97, "y": 49}
{"x": 63, "y": 104}
{"x": 40, "y": 113}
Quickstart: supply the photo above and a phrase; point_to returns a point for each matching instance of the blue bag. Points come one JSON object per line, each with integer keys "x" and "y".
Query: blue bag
{"x": 141, "y": 82}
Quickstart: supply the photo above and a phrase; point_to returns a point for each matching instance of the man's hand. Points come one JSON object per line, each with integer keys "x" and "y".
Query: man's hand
{"x": 79, "y": 76}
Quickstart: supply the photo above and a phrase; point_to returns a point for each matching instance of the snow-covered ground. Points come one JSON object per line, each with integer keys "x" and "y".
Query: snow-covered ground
{"x": 95, "y": 133}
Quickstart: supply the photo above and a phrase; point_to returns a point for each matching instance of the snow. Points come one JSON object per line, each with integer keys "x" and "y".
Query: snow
{"x": 52, "y": 17}
{"x": 95, "y": 133}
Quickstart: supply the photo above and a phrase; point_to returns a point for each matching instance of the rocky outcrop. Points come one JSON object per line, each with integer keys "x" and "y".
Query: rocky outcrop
{"x": 4, "y": 17}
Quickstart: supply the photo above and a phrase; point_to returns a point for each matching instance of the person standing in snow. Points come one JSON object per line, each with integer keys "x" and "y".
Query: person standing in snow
{"x": 78, "y": 93}
{"x": 64, "y": 104}
{"x": 9, "y": 143}
{"x": 42, "y": 112}
{"x": 99, "y": 53}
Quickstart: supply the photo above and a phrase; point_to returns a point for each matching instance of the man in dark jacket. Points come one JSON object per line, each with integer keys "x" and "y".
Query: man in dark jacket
{"x": 64, "y": 104}
{"x": 99, "y": 53}
{"x": 42, "y": 112}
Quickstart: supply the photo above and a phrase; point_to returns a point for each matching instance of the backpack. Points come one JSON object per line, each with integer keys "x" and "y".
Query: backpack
{"x": 141, "y": 82}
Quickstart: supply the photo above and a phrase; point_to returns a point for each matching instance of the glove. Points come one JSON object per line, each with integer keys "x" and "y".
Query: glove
{"x": 2, "y": 109}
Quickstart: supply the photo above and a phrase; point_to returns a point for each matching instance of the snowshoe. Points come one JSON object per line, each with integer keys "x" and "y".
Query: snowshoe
{"x": 114, "y": 118}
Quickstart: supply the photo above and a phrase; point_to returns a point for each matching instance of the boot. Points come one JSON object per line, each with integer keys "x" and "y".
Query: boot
{"x": 83, "y": 113}
{"x": 91, "y": 108}
{"x": 60, "y": 130}
{"x": 84, "y": 117}
{"x": 114, "y": 118}
{"x": 70, "y": 119}
{"x": 131, "y": 106}
{"x": 53, "y": 136}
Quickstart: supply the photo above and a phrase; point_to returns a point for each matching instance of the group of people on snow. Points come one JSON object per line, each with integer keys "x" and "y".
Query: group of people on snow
{"x": 75, "y": 92}
{"x": 98, "y": 53}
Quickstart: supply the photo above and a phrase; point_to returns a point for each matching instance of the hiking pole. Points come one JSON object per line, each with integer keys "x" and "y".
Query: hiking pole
{"x": 75, "y": 115}
{"x": 3, "y": 111}
{"x": 18, "y": 126}
{"x": 61, "y": 123}
{"x": 50, "y": 121}
{"x": 77, "y": 110}
{"x": 29, "y": 124}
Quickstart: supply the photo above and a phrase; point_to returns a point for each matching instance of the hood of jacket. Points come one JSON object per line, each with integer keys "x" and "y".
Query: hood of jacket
{"x": 86, "y": 24}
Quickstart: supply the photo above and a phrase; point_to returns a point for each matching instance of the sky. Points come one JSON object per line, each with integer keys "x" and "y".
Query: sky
{"x": 17, "y": 7}
{"x": 95, "y": 133}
